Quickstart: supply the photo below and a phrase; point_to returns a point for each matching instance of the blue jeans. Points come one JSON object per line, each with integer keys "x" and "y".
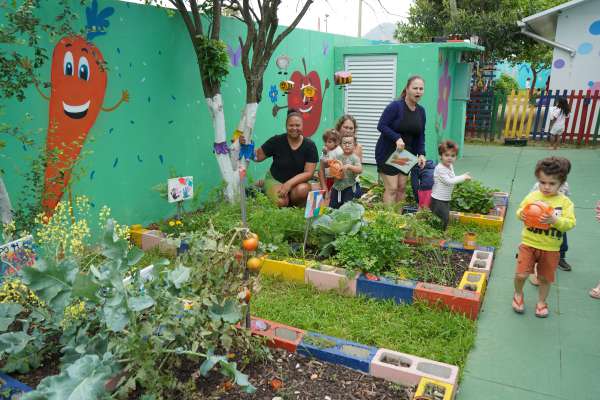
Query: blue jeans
{"x": 564, "y": 247}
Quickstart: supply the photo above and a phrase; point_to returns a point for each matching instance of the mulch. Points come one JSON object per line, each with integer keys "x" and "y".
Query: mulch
{"x": 303, "y": 378}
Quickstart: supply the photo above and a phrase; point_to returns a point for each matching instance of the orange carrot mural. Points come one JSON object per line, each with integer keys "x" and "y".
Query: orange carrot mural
{"x": 78, "y": 84}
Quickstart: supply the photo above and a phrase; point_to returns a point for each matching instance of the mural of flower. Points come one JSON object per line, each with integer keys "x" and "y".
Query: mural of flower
{"x": 273, "y": 93}
{"x": 444, "y": 85}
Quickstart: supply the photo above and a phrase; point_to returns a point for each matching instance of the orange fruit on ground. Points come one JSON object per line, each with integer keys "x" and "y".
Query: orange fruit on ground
{"x": 254, "y": 264}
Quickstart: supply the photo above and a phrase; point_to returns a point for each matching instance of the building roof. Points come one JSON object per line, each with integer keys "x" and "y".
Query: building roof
{"x": 544, "y": 22}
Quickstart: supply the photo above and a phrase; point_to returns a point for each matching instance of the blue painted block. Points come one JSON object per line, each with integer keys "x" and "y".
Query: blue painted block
{"x": 338, "y": 351}
{"x": 400, "y": 291}
{"x": 183, "y": 247}
{"x": 458, "y": 246}
{"x": 11, "y": 387}
{"x": 410, "y": 209}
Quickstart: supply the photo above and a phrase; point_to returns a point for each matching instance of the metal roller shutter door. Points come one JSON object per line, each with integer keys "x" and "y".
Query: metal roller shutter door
{"x": 373, "y": 88}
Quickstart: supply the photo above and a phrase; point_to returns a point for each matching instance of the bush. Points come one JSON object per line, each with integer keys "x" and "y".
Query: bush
{"x": 505, "y": 84}
{"x": 473, "y": 197}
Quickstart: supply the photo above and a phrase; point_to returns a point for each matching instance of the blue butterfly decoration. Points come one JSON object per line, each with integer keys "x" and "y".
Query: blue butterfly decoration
{"x": 325, "y": 48}
{"x": 97, "y": 22}
{"x": 234, "y": 55}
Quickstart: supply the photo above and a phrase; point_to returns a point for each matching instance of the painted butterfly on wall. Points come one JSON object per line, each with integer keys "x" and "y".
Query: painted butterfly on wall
{"x": 234, "y": 55}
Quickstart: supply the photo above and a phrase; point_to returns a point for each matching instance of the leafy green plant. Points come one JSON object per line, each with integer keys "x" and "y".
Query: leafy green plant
{"x": 473, "y": 197}
{"x": 133, "y": 323}
{"x": 422, "y": 224}
{"x": 343, "y": 222}
{"x": 375, "y": 249}
{"x": 427, "y": 263}
{"x": 505, "y": 84}
{"x": 486, "y": 235}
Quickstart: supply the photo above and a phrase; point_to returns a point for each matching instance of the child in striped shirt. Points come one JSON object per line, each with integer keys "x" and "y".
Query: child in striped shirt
{"x": 444, "y": 181}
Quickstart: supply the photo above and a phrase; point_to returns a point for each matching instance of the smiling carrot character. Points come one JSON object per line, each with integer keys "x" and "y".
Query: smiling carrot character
{"x": 78, "y": 85}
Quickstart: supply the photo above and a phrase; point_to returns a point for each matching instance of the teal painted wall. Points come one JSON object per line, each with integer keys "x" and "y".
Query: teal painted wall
{"x": 165, "y": 125}
{"x": 429, "y": 61}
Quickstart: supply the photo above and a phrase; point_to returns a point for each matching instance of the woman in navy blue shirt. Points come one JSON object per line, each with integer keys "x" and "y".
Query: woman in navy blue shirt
{"x": 402, "y": 126}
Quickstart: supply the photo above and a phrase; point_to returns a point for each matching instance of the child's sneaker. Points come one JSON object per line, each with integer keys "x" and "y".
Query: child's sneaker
{"x": 564, "y": 265}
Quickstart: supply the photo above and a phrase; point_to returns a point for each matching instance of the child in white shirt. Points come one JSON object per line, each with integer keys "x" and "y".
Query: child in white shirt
{"x": 558, "y": 115}
{"x": 444, "y": 181}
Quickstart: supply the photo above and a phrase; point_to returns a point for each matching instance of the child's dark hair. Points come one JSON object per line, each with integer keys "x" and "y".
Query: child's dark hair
{"x": 447, "y": 145}
{"x": 563, "y": 105}
{"x": 331, "y": 134}
{"x": 348, "y": 134}
{"x": 554, "y": 166}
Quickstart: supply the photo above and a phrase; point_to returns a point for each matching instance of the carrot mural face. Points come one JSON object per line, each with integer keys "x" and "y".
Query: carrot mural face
{"x": 78, "y": 85}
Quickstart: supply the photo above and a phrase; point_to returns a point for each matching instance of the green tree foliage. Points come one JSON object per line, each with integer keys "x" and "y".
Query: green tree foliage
{"x": 495, "y": 22}
{"x": 506, "y": 83}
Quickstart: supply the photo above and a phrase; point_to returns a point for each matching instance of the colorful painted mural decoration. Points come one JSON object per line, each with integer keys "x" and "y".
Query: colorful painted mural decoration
{"x": 307, "y": 97}
{"x": 235, "y": 54}
{"x": 78, "y": 85}
{"x": 444, "y": 90}
{"x": 16, "y": 255}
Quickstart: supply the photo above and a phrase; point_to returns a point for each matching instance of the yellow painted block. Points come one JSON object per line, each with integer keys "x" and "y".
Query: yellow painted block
{"x": 427, "y": 386}
{"x": 473, "y": 280}
{"x": 135, "y": 234}
{"x": 286, "y": 270}
{"x": 484, "y": 220}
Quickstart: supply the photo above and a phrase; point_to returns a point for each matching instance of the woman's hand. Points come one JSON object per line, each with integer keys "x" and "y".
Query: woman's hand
{"x": 284, "y": 190}
{"x": 421, "y": 160}
{"x": 400, "y": 144}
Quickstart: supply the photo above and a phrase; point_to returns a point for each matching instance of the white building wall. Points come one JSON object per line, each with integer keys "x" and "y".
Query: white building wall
{"x": 578, "y": 28}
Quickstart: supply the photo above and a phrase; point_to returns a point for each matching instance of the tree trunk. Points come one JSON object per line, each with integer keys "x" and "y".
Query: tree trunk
{"x": 533, "y": 81}
{"x": 5, "y": 206}
{"x": 222, "y": 151}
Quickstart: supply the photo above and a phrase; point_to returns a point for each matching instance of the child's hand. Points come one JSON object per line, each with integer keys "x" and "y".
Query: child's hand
{"x": 521, "y": 216}
{"x": 598, "y": 211}
{"x": 548, "y": 219}
{"x": 467, "y": 177}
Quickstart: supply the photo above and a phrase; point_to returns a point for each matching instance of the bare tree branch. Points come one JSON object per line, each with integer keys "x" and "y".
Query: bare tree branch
{"x": 293, "y": 25}
{"x": 216, "y": 26}
{"x": 192, "y": 29}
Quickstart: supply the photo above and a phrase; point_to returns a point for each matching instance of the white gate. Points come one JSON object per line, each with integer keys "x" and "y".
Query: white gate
{"x": 373, "y": 87}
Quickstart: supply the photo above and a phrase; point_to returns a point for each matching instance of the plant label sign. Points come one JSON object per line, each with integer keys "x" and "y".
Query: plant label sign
{"x": 180, "y": 189}
{"x": 313, "y": 203}
{"x": 16, "y": 255}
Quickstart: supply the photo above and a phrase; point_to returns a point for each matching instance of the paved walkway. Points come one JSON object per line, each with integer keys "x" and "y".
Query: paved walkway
{"x": 521, "y": 357}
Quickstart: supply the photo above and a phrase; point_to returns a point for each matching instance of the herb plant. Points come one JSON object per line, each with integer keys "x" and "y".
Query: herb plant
{"x": 473, "y": 197}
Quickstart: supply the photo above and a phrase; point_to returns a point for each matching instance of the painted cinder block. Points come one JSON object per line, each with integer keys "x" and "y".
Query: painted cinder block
{"x": 400, "y": 291}
{"x": 481, "y": 261}
{"x": 328, "y": 277}
{"x": 286, "y": 270}
{"x": 408, "y": 370}
{"x": 473, "y": 281}
{"x": 338, "y": 351}
{"x": 13, "y": 388}
{"x": 500, "y": 199}
{"x": 479, "y": 219}
{"x": 168, "y": 247}
{"x": 135, "y": 234}
{"x": 278, "y": 335}
{"x": 151, "y": 239}
{"x": 458, "y": 300}
{"x": 459, "y": 246}
{"x": 427, "y": 387}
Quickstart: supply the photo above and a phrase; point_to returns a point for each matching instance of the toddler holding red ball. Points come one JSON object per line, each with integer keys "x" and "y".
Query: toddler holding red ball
{"x": 541, "y": 243}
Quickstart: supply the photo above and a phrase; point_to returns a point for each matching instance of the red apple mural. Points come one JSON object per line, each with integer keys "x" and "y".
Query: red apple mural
{"x": 307, "y": 97}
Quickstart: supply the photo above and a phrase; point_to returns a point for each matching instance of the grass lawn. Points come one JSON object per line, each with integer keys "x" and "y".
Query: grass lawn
{"x": 414, "y": 329}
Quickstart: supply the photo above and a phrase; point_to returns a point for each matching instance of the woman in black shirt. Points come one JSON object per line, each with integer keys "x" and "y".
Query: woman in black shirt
{"x": 295, "y": 158}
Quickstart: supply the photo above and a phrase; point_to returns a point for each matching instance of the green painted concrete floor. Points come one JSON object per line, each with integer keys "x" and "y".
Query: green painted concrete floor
{"x": 522, "y": 357}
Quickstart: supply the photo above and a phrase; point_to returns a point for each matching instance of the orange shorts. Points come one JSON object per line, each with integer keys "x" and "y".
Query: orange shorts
{"x": 547, "y": 262}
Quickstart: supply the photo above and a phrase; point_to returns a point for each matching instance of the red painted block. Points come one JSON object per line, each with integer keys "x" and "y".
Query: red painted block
{"x": 458, "y": 300}
{"x": 278, "y": 335}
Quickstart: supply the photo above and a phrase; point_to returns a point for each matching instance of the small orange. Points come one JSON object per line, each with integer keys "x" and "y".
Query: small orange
{"x": 227, "y": 385}
{"x": 250, "y": 243}
{"x": 276, "y": 383}
{"x": 245, "y": 295}
{"x": 254, "y": 264}
{"x": 238, "y": 255}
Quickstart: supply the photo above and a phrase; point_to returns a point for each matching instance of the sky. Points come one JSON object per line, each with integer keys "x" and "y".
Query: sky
{"x": 342, "y": 14}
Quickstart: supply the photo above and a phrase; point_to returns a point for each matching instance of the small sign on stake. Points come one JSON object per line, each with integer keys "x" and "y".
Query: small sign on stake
{"x": 180, "y": 189}
{"x": 314, "y": 200}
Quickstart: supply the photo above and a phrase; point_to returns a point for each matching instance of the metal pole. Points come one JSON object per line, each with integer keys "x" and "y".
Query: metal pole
{"x": 360, "y": 18}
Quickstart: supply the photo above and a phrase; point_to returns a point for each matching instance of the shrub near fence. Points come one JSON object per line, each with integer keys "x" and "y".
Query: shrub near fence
{"x": 519, "y": 116}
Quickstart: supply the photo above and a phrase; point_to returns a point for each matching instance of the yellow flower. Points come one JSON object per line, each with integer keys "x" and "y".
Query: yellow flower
{"x": 179, "y": 223}
{"x": 171, "y": 223}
